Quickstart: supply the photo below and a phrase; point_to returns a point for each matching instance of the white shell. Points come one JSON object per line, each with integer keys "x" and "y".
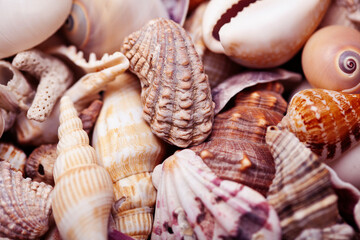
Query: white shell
{"x": 24, "y": 24}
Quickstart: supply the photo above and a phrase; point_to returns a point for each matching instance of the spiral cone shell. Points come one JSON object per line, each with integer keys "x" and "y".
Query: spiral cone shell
{"x": 83, "y": 192}
{"x": 129, "y": 151}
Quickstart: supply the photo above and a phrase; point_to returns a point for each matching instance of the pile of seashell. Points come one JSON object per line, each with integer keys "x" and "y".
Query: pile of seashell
{"x": 180, "y": 119}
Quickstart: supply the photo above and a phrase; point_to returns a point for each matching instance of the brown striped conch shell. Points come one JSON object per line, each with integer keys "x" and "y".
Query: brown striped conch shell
{"x": 25, "y": 205}
{"x": 15, "y": 91}
{"x": 21, "y": 30}
{"x": 13, "y": 155}
{"x": 83, "y": 192}
{"x": 336, "y": 231}
{"x": 193, "y": 203}
{"x": 82, "y": 93}
{"x": 236, "y": 149}
{"x": 175, "y": 94}
{"x": 129, "y": 151}
{"x": 301, "y": 191}
{"x": 40, "y": 163}
{"x": 94, "y": 27}
{"x": 54, "y": 79}
{"x": 331, "y": 59}
{"x": 244, "y": 29}
{"x": 326, "y": 121}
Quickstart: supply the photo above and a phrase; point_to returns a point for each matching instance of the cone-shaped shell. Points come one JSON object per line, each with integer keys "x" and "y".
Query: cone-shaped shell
{"x": 176, "y": 95}
{"x": 13, "y": 155}
{"x": 236, "y": 149}
{"x": 193, "y": 203}
{"x": 328, "y": 122}
{"x": 25, "y": 205}
{"x": 301, "y": 191}
{"x": 83, "y": 192}
{"x": 129, "y": 151}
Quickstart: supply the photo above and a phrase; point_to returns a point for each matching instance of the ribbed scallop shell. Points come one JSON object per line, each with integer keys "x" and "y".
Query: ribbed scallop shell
{"x": 193, "y": 203}
{"x": 13, "y": 155}
{"x": 175, "y": 92}
{"x": 25, "y": 206}
{"x": 129, "y": 151}
{"x": 301, "y": 191}
{"x": 236, "y": 149}
{"x": 83, "y": 192}
{"x": 328, "y": 122}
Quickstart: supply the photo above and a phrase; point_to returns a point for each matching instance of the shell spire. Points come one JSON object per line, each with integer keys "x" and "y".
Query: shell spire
{"x": 83, "y": 192}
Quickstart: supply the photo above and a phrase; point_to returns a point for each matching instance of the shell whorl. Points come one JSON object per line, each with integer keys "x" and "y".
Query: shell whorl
{"x": 349, "y": 62}
{"x": 175, "y": 93}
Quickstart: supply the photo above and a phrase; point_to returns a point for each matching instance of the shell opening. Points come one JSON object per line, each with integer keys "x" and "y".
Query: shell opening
{"x": 230, "y": 13}
{"x": 5, "y": 75}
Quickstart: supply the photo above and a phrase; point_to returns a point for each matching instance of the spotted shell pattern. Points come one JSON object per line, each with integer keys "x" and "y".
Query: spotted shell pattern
{"x": 176, "y": 94}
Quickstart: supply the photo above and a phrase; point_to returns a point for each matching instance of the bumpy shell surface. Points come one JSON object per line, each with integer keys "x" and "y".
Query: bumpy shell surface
{"x": 326, "y": 121}
{"x": 236, "y": 149}
{"x": 129, "y": 151}
{"x": 25, "y": 205}
{"x": 94, "y": 27}
{"x": 335, "y": 232}
{"x": 13, "y": 155}
{"x": 244, "y": 29}
{"x": 301, "y": 191}
{"x": 22, "y": 29}
{"x": 83, "y": 192}
{"x": 40, "y": 163}
{"x": 175, "y": 92}
{"x": 193, "y": 203}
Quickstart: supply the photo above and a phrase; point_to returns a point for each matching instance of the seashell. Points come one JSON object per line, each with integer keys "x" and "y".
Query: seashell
{"x": 333, "y": 62}
{"x": 194, "y": 4}
{"x": 40, "y": 163}
{"x": 15, "y": 92}
{"x": 13, "y": 155}
{"x": 334, "y": 232}
{"x": 193, "y": 203}
{"x": 177, "y": 10}
{"x": 129, "y": 151}
{"x": 301, "y": 191}
{"x": 7, "y": 119}
{"x": 82, "y": 93}
{"x": 326, "y": 121}
{"x": 83, "y": 192}
{"x": 244, "y": 30}
{"x": 94, "y": 27}
{"x": 54, "y": 77}
{"x": 175, "y": 92}
{"x": 20, "y": 30}
{"x": 89, "y": 115}
{"x": 25, "y": 205}
{"x": 236, "y": 149}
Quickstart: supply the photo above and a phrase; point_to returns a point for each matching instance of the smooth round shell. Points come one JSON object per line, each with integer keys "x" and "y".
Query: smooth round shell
{"x": 331, "y": 59}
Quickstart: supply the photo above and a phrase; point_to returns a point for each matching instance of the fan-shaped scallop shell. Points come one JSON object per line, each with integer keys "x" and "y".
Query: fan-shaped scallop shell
{"x": 83, "y": 192}
{"x": 13, "y": 155}
{"x": 175, "y": 92}
{"x": 301, "y": 191}
{"x": 326, "y": 121}
{"x": 129, "y": 151}
{"x": 236, "y": 149}
{"x": 193, "y": 203}
{"x": 25, "y": 206}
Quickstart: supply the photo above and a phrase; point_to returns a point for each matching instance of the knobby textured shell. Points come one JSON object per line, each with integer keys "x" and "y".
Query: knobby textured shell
{"x": 326, "y": 121}
{"x": 21, "y": 30}
{"x": 40, "y": 164}
{"x": 193, "y": 203}
{"x": 336, "y": 231}
{"x": 129, "y": 151}
{"x": 236, "y": 149}
{"x": 54, "y": 77}
{"x": 13, "y": 155}
{"x": 83, "y": 192}
{"x": 25, "y": 206}
{"x": 175, "y": 94}
{"x": 301, "y": 191}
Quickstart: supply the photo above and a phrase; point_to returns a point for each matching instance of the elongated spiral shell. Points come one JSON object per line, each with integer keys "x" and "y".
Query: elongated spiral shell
{"x": 175, "y": 92}
{"x": 83, "y": 192}
{"x": 328, "y": 122}
{"x": 301, "y": 191}
{"x": 25, "y": 206}
{"x": 129, "y": 151}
